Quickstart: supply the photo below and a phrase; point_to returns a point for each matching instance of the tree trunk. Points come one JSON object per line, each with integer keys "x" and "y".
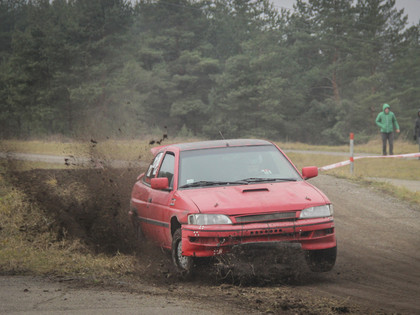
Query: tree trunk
{"x": 334, "y": 80}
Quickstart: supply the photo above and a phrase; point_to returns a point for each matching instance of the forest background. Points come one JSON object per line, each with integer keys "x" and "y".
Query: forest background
{"x": 123, "y": 69}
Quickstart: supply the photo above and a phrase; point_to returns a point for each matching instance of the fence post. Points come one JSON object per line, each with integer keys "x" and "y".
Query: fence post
{"x": 351, "y": 153}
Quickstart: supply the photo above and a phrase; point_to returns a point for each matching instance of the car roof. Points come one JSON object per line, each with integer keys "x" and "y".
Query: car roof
{"x": 212, "y": 144}
{"x": 220, "y": 143}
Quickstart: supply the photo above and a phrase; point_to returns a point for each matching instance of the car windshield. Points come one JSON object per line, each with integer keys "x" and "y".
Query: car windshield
{"x": 234, "y": 166}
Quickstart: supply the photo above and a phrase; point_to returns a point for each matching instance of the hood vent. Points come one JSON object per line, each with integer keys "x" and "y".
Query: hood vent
{"x": 254, "y": 190}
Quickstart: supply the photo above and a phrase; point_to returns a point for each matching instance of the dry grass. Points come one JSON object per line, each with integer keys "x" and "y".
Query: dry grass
{"x": 45, "y": 147}
{"x": 65, "y": 259}
{"x": 399, "y": 192}
{"x": 31, "y": 165}
{"x": 28, "y": 245}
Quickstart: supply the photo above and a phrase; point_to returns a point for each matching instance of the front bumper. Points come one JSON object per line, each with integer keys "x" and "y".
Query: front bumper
{"x": 211, "y": 240}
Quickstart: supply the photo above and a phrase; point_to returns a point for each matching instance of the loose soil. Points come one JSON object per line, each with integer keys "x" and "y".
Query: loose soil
{"x": 377, "y": 269}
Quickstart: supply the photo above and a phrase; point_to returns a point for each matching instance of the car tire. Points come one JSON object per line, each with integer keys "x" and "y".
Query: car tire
{"x": 321, "y": 260}
{"x": 183, "y": 264}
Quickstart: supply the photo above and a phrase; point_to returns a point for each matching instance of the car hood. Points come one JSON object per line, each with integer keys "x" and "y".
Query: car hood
{"x": 248, "y": 199}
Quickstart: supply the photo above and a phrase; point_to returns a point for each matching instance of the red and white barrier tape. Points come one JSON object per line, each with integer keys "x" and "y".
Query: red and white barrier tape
{"x": 339, "y": 164}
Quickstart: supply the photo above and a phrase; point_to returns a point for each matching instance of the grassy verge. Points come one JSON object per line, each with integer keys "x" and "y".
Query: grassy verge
{"x": 45, "y": 147}
{"x": 399, "y": 192}
{"x": 29, "y": 245}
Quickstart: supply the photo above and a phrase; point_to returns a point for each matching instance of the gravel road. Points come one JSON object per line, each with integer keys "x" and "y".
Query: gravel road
{"x": 379, "y": 248}
{"x": 35, "y": 295}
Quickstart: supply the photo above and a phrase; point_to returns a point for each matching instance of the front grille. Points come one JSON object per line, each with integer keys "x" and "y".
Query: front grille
{"x": 279, "y": 216}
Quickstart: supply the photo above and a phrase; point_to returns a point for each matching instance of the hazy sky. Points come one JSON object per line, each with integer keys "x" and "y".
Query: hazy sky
{"x": 411, "y": 8}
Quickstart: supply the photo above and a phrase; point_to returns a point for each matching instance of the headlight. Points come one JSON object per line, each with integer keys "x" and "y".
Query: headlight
{"x": 208, "y": 219}
{"x": 317, "y": 212}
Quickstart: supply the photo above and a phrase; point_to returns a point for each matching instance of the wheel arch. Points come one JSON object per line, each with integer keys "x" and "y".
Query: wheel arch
{"x": 175, "y": 225}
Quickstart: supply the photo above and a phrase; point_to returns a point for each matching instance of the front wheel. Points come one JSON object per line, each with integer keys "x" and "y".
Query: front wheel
{"x": 183, "y": 264}
{"x": 321, "y": 260}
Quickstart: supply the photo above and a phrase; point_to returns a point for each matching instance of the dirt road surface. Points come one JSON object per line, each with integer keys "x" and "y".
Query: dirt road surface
{"x": 377, "y": 270}
{"x": 379, "y": 248}
{"x": 31, "y": 295}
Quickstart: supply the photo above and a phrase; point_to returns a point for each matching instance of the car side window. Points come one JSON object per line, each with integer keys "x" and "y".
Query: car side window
{"x": 168, "y": 167}
{"x": 151, "y": 171}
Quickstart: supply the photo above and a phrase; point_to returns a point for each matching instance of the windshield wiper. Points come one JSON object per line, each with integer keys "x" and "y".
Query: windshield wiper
{"x": 203, "y": 183}
{"x": 258, "y": 179}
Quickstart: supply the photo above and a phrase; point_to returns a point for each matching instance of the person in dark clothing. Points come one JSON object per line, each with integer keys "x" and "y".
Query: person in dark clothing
{"x": 386, "y": 120}
{"x": 417, "y": 129}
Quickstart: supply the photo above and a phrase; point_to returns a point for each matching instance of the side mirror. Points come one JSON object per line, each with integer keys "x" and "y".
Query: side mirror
{"x": 159, "y": 183}
{"x": 309, "y": 172}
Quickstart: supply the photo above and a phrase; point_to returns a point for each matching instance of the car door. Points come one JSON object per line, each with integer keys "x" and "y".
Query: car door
{"x": 142, "y": 196}
{"x": 159, "y": 208}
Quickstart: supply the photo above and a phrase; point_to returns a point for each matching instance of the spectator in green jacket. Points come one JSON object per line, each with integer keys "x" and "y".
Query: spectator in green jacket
{"x": 386, "y": 120}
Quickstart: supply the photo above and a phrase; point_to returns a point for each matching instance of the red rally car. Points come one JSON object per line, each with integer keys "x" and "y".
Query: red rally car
{"x": 202, "y": 199}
